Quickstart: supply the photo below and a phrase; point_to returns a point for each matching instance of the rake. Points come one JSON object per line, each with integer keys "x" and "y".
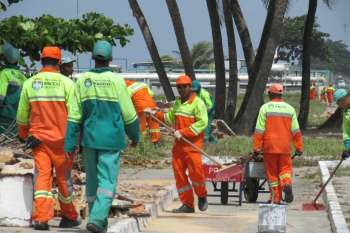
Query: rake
{"x": 225, "y": 171}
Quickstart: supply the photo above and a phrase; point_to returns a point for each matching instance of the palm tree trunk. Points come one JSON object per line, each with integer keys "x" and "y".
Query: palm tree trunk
{"x": 220, "y": 82}
{"x": 152, "y": 48}
{"x": 244, "y": 35}
{"x": 244, "y": 123}
{"x": 305, "y": 88}
{"x": 181, "y": 38}
{"x": 233, "y": 72}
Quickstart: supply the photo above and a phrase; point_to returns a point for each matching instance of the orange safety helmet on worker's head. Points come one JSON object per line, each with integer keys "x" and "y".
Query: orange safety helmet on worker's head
{"x": 51, "y": 52}
{"x": 276, "y": 88}
{"x": 183, "y": 80}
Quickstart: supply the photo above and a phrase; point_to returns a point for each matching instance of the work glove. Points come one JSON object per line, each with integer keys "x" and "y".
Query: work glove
{"x": 72, "y": 154}
{"x": 346, "y": 154}
{"x": 177, "y": 134}
{"x": 31, "y": 142}
{"x": 149, "y": 111}
{"x": 256, "y": 154}
{"x": 298, "y": 153}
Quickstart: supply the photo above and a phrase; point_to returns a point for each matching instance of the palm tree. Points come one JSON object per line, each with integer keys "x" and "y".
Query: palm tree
{"x": 202, "y": 54}
{"x": 245, "y": 119}
{"x": 181, "y": 38}
{"x": 306, "y": 62}
{"x": 152, "y": 48}
{"x": 244, "y": 35}
{"x": 220, "y": 82}
{"x": 232, "y": 56}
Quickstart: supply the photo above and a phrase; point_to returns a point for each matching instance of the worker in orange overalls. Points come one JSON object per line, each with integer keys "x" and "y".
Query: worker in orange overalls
{"x": 330, "y": 91}
{"x": 276, "y": 126}
{"x": 141, "y": 97}
{"x": 44, "y": 104}
{"x": 189, "y": 115}
{"x": 313, "y": 92}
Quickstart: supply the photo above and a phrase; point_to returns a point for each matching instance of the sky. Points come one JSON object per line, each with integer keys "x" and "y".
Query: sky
{"x": 194, "y": 13}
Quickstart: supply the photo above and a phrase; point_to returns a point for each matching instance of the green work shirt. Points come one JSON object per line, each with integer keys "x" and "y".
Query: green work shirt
{"x": 105, "y": 113}
{"x": 11, "y": 82}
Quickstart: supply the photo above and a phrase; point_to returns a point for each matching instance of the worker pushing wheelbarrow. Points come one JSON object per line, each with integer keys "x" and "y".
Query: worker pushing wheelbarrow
{"x": 276, "y": 127}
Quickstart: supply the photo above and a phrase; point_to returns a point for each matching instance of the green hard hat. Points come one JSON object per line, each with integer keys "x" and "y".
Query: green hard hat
{"x": 339, "y": 94}
{"x": 196, "y": 86}
{"x": 11, "y": 53}
{"x": 102, "y": 50}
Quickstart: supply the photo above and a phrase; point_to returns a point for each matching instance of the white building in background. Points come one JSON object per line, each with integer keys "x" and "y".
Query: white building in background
{"x": 289, "y": 76}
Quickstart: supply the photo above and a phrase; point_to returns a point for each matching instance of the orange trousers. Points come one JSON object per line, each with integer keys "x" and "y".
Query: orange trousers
{"x": 46, "y": 158}
{"x": 329, "y": 98}
{"x": 152, "y": 125}
{"x": 192, "y": 162}
{"x": 278, "y": 169}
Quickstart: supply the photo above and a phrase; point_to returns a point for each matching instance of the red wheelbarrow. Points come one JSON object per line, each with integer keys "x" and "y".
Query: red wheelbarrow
{"x": 226, "y": 184}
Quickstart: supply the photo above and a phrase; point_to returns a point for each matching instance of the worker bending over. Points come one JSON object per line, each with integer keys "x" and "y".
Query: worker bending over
{"x": 276, "y": 126}
{"x": 103, "y": 115}
{"x": 342, "y": 98}
{"x": 46, "y": 100}
{"x": 189, "y": 115}
{"x": 141, "y": 97}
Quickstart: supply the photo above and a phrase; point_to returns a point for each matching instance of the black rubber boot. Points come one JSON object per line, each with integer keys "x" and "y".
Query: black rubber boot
{"x": 183, "y": 209}
{"x": 202, "y": 203}
{"x": 41, "y": 226}
{"x": 94, "y": 229}
{"x": 68, "y": 223}
{"x": 288, "y": 193}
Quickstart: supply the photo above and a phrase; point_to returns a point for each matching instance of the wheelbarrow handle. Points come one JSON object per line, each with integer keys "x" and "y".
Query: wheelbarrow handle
{"x": 187, "y": 141}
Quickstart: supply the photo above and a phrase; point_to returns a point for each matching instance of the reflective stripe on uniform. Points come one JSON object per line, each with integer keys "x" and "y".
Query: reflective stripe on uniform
{"x": 154, "y": 130}
{"x": 42, "y": 194}
{"x": 274, "y": 184}
{"x": 282, "y": 114}
{"x": 106, "y": 192}
{"x": 285, "y": 175}
{"x": 184, "y": 189}
{"x": 90, "y": 199}
{"x": 65, "y": 200}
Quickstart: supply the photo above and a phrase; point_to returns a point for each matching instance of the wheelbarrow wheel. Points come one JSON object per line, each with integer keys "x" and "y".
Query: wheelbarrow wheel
{"x": 251, "y": 190}
{"x": 224, "y": 193}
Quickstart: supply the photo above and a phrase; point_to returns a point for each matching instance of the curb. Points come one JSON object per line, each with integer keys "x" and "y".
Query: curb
{"x": 335, "y": 213}
{"x": 136, "y": 225}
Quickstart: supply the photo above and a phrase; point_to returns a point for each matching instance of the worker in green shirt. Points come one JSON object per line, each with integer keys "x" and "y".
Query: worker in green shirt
{"x": 209, "y": 103}
{"x": 342, "y": 99}
{"x": 103, "y": 114}
{"x": 11, "y": 82}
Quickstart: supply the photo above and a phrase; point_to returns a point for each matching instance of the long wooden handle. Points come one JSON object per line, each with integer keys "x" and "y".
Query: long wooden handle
{"x": 187, "y": 141}
{"x": 329, "y": 179}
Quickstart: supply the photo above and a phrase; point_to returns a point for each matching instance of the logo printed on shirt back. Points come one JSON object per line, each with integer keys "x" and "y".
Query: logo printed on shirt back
{"x": 37, "y": 85}
{"x": 88, "y": 83}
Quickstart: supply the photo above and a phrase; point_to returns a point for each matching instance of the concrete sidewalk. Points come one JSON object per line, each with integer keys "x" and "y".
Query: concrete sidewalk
{"x": 233, "y": 218}
{"x": 218, "y": 218}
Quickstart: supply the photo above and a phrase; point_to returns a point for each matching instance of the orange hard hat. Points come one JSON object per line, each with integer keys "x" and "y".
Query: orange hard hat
{"x": 183, "y": 80}
{"x": 51, "y": 52}
{"x": 276, "y": 88}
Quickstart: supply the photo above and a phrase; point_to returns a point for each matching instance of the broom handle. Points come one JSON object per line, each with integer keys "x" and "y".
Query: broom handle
{"x": 325, "y": 184}
{"x": 187, "y": 141}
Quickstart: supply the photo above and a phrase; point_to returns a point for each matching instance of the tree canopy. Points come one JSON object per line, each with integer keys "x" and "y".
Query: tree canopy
{"x": 74, "y": 35}
{"x": 3, "y": 5}
{"x": 290, "y": 47}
